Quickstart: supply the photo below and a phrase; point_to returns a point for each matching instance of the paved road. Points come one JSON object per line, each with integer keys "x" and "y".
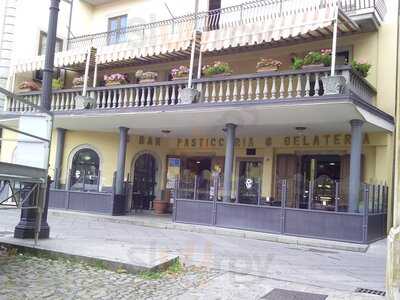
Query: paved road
{"x": 316, "y": 269}
{"x": 25, "y": 277}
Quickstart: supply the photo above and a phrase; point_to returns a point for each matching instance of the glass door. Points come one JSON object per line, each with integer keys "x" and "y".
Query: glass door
{"x": 249, "y": 182}
{"x": 320, "y": 176}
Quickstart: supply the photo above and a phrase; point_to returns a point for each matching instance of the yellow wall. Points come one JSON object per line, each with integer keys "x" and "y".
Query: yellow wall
{"x": 106, "y": 144}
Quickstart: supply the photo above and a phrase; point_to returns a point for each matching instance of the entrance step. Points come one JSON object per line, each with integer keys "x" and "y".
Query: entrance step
{"x": 165, "y": 222}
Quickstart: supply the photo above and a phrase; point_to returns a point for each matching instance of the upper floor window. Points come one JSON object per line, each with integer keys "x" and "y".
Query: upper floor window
{"x": 57, "y": 74}
{"x": 117, "y": 29}
{"x": 213, "y": 14}
{"x": 43, "y": 43}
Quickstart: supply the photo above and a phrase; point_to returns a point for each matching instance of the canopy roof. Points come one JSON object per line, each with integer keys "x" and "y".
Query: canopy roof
{"x": 278, "y": 23}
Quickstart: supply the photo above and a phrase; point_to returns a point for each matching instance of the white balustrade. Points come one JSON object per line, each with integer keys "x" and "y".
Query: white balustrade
{"x": 268, "y": 86}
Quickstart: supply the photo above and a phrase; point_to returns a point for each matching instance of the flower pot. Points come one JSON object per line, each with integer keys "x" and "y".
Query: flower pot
{"x": 78, "y": 86}
{"x": 305, "y": 67}
{"x": 147, "y": 80}
{"x": 221, "y": 75}
{"x": 188, "y": 95}
{"x": 112, "y": 83}
{"x": 334, "y": 85}
{"x": 26, "y": 90}
{"x": 180, "y": 78}
{"x": 267, "y": 69}
{"x": 160, "y": 207}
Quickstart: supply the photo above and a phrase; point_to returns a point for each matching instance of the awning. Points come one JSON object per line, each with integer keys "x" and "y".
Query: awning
{"x": 296, "y": 20}
{"x": 75, "y": 59}
{"x": 164, "y": 42}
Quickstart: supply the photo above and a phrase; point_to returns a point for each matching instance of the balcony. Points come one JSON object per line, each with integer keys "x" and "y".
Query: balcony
{"x": 368, "y": 14}
{"x": 247, "y": 88}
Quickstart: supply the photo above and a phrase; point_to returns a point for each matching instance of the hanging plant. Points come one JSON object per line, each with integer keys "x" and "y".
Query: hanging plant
{"x": 217, "y": 69}
{"x": 313, "y": 59}
{"x": 29, "y": 86}
{"x": 115, "y": 79}
{"x": 361, "y": 68}
{"x": 179, "y": 73}
{"x": 268, "y": 64}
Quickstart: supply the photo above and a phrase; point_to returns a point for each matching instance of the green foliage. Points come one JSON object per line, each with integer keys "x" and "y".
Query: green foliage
{"x": 361, "y": 68}
{"x": 313, "y": 58}
{"x": 297, "y": 63}
{"x": 174, "y": 269}
{"x": 217, "y": 68}
{"x": 57, "y": 84}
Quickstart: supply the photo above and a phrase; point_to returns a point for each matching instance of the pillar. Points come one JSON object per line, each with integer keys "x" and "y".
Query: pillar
{"x": 229, "y": 155}
{"x": 355, "y": 165}
{"x": 119, "y": 198}
{"x": 59, "y": 156}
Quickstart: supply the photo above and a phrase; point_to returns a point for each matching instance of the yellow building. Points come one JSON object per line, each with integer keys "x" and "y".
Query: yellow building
{"x": 266, "y": 143}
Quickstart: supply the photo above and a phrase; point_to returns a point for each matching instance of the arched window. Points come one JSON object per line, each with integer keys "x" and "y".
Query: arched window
{"x": 84, "y": 173}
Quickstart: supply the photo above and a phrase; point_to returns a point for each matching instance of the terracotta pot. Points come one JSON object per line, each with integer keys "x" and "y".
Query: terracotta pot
{"x": 147, "y": 80}
{"x": 221, "y": 75}
{"x": 111, "y": 83}
{"x": 160, "y": 207}
{"x": 180, "y": 78}
{"x": 267, "y": 69}
{"x": 312, "y": 66}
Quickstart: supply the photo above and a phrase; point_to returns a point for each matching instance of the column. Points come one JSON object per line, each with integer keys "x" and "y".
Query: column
{"x": 119, "y": 182}
{"x": 355, "y": 165}
{"x": 229, "y": 155}
{"x": 119, "y": 197}
{"x": 59, "y": 156}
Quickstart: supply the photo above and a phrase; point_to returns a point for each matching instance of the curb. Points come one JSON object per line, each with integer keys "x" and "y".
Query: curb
{"x": 261, "y": 236}
{"x": 91, "y": 261}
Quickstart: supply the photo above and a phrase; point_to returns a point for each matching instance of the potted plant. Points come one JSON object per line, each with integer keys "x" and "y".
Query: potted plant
{"x": 115, "y": 79}
{"x": 161, "y": 206}
{"x": 29, "y": 86}
{"x": 57, "y": 84}
{"x": 145, "y": 77}
{"x": 219, "y": 68}
{"x": 180, "y": 73}
{"x": 313, "y": 59}
{"x": 77, "y": 82}
{"x": 361, "y": 68}
{"x": 268, "y": 65}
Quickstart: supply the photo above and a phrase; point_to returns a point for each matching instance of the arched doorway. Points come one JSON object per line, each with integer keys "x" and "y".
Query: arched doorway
{"x": 144, "y": 182}
{"x": 84, "y": 173}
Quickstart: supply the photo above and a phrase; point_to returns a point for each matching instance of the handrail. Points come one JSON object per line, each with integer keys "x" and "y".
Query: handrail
{"x": 227, "y": 17}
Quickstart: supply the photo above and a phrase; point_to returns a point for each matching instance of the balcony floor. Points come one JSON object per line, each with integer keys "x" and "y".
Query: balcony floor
{"x": 318, "y": 114}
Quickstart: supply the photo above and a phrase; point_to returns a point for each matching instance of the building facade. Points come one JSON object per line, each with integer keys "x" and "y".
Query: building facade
{"x": 264, "y": 145}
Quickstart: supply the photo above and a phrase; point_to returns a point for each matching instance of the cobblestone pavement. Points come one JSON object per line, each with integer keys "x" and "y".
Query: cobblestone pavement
{"x": 28, "y": 277}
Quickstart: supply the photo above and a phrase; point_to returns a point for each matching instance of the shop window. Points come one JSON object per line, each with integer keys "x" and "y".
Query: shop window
{"x": 117, "y": 30}
{"x": 84, "y": 174}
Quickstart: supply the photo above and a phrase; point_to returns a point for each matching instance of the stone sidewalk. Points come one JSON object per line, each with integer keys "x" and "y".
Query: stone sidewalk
{"x": 250, "y": 266}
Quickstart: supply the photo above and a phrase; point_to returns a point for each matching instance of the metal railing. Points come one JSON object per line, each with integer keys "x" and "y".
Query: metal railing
{"x": 276, "y": 215}
{"x": 253, "y": 11}
{"x": 223, "y": 89}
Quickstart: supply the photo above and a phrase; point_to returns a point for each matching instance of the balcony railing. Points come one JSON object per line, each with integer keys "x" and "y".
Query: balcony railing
{"x": 254, "y": 11}
{"x": 224, "y": 89}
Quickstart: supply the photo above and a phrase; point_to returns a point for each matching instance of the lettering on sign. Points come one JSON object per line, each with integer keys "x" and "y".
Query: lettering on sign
{"x": 320, "y": 140}
{"x": 149, "y": 141}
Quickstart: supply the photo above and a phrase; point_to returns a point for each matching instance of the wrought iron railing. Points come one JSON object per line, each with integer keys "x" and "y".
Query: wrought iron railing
{"x": 253, "y": 11}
